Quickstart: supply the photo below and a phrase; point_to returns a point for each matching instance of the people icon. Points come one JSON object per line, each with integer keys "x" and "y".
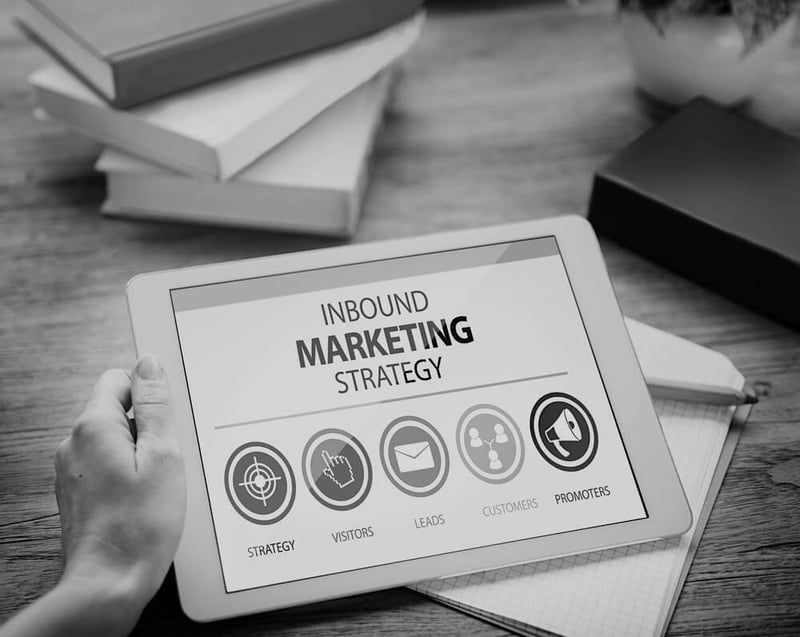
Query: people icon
{"x": 474, "y": 438}
{"x": 500, "y": 438}
{"x": 490, "y": 443}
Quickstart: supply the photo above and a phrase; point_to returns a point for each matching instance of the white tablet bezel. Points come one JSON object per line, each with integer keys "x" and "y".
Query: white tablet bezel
{"x": 197, "y": 566}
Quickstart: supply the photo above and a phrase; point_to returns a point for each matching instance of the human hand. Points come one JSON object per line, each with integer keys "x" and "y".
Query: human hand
{"x": 338, "y": 469}
{"x": 121, "y": 489}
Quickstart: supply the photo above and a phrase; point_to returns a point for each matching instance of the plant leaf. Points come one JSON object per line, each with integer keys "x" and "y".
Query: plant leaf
{"x": 656, "y": 11}
{"x": 700, "y": 7}
{"x": 660, "y": 12}
{"x": 758, "y": 19}
{"x": 644, "y": 5}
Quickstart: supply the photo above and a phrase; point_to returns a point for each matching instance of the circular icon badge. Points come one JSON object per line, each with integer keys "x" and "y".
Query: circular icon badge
{"x": 337, "y": 470}
{"x": 563, "y": 431}
{"x": 259, "y": 483}
{"x": 490, "y": 443}
{"x": 414, "y": 456}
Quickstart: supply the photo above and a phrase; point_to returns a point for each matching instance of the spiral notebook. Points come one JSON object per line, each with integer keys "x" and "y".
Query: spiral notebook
{"x": 631, "y": 590}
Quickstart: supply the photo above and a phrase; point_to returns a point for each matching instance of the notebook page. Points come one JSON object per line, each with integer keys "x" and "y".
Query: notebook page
{"x": 620, "y": 591}
{"x": 734, "y": 433}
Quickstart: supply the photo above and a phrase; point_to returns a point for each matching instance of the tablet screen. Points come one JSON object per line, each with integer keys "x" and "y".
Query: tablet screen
{"x": 391, "y": 410}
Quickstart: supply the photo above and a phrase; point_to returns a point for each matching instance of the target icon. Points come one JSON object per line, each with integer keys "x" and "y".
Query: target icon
{"x": 259, "y": 483}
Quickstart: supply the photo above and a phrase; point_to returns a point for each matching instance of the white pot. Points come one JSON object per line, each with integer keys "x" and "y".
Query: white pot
{"x": 700, "y": 55}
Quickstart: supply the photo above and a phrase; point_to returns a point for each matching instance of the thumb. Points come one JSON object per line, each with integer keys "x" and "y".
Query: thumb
{"x": 150, "y": 398}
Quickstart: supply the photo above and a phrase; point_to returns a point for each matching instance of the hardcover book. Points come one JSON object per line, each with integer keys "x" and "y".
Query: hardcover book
{"x": 715, "y": 196}
{"x": 131, "y": 52}
{"x": 218, "y": 129}
{"x": 313, "y": 182}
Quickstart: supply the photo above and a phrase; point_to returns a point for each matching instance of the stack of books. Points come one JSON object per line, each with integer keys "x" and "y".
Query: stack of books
{"x": 257, "y": 113}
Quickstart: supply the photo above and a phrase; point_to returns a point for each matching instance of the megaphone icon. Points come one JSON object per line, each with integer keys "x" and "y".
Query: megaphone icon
{"x": 564, "y": 429}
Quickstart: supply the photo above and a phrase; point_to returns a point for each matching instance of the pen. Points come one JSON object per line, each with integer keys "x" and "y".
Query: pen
{"x": 699, "y": 393}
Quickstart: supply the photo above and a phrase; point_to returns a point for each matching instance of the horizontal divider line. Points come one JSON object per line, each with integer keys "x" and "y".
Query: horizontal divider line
{"x": 390, "y": 400}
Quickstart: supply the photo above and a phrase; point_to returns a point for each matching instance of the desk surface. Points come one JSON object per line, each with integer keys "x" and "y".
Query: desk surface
{"x": 503, "y": 113}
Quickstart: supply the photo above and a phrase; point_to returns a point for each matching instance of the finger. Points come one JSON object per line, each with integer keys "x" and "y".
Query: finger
{"x": 105, "y": 412}
{"x": 113, "y": 391}
{"x": 152, "y": 406}
{"x": 327, "y": 458}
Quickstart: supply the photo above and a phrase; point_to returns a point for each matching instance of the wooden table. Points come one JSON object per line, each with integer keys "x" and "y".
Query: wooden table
{"x": 504, "y": 112}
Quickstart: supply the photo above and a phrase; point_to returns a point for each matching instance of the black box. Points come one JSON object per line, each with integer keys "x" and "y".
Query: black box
{"x": 715, "y": 196}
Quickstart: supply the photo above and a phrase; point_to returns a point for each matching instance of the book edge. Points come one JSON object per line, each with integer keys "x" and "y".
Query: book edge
{"x": 48, "y": 101}
{"x": 101, "y": 79}
{"x": 256, "y": 21}
{"x": 111, "y": 208}
{"x": 316, "y": 223}
{"x": 232, "y": 153}
{"x": 125, "y": 68}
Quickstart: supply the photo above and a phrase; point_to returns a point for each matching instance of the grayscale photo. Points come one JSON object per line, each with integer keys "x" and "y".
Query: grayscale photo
{"x": 395, "y": 317}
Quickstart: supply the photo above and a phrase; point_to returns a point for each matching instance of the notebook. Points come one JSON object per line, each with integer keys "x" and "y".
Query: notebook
{"x": 631, "y": 590}
{"x": 218, "y": 129}
{"x": 313, "y": 182}
{"x": 132, "y": 52}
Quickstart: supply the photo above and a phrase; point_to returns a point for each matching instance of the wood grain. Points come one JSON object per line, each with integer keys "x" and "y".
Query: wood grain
{"x": 503, "y": 113}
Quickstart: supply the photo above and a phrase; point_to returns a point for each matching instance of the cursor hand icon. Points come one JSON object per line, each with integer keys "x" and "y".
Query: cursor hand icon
{"x": 338, "y": 469}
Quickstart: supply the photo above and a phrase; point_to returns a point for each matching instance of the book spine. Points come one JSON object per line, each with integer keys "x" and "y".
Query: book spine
{"x": 738, "y": 268}
{"x": 148, "y": 73}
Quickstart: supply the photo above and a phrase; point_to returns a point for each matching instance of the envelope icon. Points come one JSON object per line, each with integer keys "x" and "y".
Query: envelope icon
{"x": 414, "y": 456}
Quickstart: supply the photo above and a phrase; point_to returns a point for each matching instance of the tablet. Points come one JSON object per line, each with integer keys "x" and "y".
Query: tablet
{"x": 368, "y": 416}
